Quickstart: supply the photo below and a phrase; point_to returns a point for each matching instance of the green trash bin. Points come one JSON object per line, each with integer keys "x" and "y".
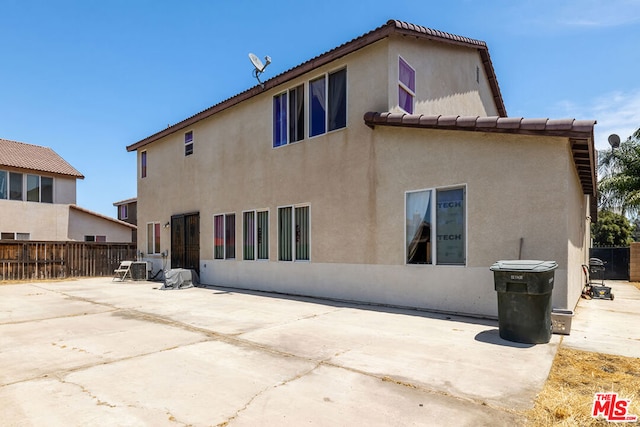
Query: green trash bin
{"x": 524, "y": 299}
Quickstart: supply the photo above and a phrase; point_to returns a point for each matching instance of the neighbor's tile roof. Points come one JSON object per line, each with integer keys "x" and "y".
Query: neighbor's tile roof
{"x": 391, "y": 27}
{"x": 34, "y": 157}
{"x": 579, "y": 132}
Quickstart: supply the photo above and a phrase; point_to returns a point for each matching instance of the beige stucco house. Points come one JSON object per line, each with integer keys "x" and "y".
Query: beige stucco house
{"x": 38, "y": 199}
{"x": 384, "y": 170}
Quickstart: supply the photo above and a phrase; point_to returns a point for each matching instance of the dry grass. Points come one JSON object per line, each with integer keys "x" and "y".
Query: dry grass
{"x": 567, "y": 397}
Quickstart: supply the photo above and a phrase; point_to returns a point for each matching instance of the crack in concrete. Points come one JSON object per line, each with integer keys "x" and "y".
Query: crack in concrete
{"x": 264, "y": 390}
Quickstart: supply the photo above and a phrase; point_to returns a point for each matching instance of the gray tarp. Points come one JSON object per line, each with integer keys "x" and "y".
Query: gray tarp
{"x": 180, "y": 278}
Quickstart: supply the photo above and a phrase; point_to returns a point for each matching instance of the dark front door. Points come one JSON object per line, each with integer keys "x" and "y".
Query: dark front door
{"x": 185, "y": 241}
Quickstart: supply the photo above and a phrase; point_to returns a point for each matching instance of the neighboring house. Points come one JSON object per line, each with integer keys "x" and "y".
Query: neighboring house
{"x": 128, "y": 212}
{"x": 382, "y": 171}
{"x": 38, "y": 196}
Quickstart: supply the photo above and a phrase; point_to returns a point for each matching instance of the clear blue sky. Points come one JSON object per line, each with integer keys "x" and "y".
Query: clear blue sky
{"x": 87, "y": 77}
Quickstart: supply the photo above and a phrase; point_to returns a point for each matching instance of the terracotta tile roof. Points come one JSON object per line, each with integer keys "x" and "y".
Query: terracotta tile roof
{"x": 34, "y": 157}
{"x": 386, "y": 30}
{"x": 579, "y": 132}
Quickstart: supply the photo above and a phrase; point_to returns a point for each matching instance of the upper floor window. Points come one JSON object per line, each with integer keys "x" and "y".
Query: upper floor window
{"x": 327, "y": 109}
{"x": 328, "y": 103}
{"x": 288, "y": 117}
{"x": 4, "y": 180}
{"x": 188, "y": 143}
{"x": 143, "y": 164}
{"x": 38, "y": 188}
{"x": 406, "y": 86}
{"x": 123, "y": 212}
{"x": 15, "y": 186}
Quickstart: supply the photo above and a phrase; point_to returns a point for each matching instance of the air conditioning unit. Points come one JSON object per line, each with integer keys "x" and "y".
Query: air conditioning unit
{"x": 139, "y": 270}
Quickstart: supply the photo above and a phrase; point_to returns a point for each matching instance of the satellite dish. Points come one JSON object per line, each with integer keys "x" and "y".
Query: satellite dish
{"x": 259, "y": 66}
{"x": 614, "y": 140}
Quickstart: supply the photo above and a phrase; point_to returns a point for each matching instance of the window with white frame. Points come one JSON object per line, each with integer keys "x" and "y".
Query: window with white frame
{"x": 288, "y": 116}
{"x": 435, "y": 226}
{"x": 95, "y": 238}
{"x": 328, "y": 103}
{"x": 406, "y": 86}
{"x": 294, "y": 232}
{"x": 14, "y": 236}
{"x": 39, "y": 189}
{"x": 153, "y": 238}
{"x": 224, "y": 236}
{"x": 188, "y": 143}
{"x": 255, "y": 235}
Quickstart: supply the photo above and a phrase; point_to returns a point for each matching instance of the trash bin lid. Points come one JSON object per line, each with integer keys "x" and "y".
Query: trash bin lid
{"x": 533, "y": 266}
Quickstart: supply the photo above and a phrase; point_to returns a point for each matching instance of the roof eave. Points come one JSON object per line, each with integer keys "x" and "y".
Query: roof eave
{"x": 391, "y": 27}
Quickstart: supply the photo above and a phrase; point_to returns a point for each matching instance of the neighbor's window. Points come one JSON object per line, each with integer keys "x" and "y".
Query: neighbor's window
{"x": 46, "y": 189}
{"x": 288, "y": 117}
{"x": 143, "y": 164}
{"x": 328, "y": 103}
{"x": 446, "y": 209}
{"x": 33, "y": 188}
{"x": 406, "y": 86}
{"x": 224, "y": 236}
{"x": 3, "y": 185}
{"x": 95, "y": 238}
{"x": 188, "y": 143}
{"x": 123, "y": 211}
{"x": 15, "y": 186}
{"x": 294, "y": 233}
{"x": 153, "y": 238}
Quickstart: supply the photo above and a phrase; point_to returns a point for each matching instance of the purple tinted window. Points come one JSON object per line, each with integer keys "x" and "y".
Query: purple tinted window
{"x": 280, "y": 120}
{"x": 405, "y": 100}
{"x": 407, "y": 75}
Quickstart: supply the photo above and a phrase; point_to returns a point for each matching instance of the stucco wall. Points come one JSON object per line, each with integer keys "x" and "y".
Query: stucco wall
{"x": 84, "y": 224}
{"x": 355, "y": 179}
{"x": 43, "y": 221}
{"x": 450, "y": 80}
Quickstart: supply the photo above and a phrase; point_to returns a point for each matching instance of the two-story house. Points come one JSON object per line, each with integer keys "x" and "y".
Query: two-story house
{"x": 384, "y": 170}
{"x": 38, "y": 199}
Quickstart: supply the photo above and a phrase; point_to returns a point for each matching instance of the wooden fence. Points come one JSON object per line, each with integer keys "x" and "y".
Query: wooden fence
{"x": 30, "y": 260}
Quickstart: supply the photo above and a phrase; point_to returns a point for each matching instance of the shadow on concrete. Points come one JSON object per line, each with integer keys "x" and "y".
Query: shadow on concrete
{"x": 410, "y": 311}
{"x": 492, "y": 336}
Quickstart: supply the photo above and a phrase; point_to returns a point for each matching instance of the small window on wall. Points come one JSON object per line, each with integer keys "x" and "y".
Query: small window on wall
{"x": 406, "y": 86}
{"x": 46, "y": 189}
{"x": 143, "y": 164}
{"x": 435, "y": 221}
{"x": 188, "y": 143}
{"x": 95, "y": 238}
{"x": 33, "y": 188}
{"x": 153, "y": 238}
{"x": 123, "y": 212}
{"x": 224, "y": 236}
